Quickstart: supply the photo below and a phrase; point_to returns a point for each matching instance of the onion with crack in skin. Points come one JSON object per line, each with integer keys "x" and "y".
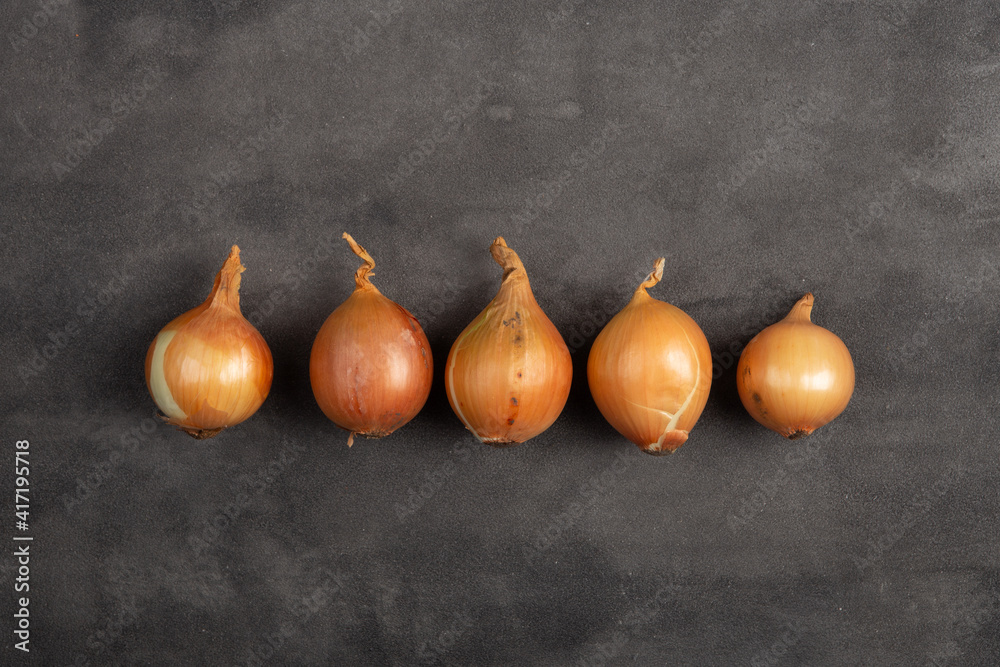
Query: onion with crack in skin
{"x": 509, "y": 372}
{"x": 650, "y": 370}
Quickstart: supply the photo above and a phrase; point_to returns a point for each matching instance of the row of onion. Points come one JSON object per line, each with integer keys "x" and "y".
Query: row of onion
{"x": 508, "y": 374}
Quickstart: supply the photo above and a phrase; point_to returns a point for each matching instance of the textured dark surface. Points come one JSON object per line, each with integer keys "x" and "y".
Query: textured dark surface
{"x": 765, "y": 149}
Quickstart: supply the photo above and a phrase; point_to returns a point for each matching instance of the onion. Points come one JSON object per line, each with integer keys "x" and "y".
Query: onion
{"x": 209, "y": 368}
{"x": 371, "y": 365}
{"x": 650, "y": 370}
{"x": 509, "y": 372}
{"x": 795, "y": 376}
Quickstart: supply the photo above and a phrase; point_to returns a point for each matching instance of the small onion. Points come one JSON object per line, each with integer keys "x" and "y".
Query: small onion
{"x": 509, "y": 372}
{"x": 795, "y": 376}
{"x": 209, "y": 368}
{"x": 371, "y": 366}
{"x": 650, "y": 370}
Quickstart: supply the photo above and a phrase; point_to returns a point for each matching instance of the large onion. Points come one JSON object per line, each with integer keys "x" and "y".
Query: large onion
{"x": 371, "y": 366}
{"x": 509, "y": 372}
{"x": 795, "y": 376}
{"x": 650, "y": 370}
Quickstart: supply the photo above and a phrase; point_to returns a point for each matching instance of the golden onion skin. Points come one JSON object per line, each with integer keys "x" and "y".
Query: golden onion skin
{"x": 650, "y": 371}
{"x": 795, "y": 376}
{"x": 371, "y": 367}
{"x": 509, "y": 372}
{"x": 210, "y": 369}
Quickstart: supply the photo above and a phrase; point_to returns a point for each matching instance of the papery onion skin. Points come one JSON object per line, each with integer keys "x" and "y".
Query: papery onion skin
{"x": 795, "y": 376}
{"x": 650, "y": 371}
{"x": 210, "y": 369}
{"x": 371, "y": 367}
{"x": 509, "y": 372}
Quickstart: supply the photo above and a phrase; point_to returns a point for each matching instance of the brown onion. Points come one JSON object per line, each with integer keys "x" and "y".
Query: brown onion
{"x": 209, "y": 368}
{"x": 795, "y": 376}
{"x": 650, "y": 370}
{"x": 371, "y": 365}
{"x": 509, "y": 372}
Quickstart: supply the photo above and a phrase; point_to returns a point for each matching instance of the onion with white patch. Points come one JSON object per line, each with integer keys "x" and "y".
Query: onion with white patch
{"x": 210, "y": 369}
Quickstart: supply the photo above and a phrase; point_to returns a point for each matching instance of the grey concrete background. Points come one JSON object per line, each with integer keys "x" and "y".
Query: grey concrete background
{"x": 764, "y": 148}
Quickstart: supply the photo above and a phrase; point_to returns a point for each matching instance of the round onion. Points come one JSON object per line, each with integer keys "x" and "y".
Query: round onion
{"x": 371, "y": 365}
{"x": 795, "y": 376}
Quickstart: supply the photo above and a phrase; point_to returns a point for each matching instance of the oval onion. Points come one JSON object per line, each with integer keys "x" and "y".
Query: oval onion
{"x": 650, "y": 370}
